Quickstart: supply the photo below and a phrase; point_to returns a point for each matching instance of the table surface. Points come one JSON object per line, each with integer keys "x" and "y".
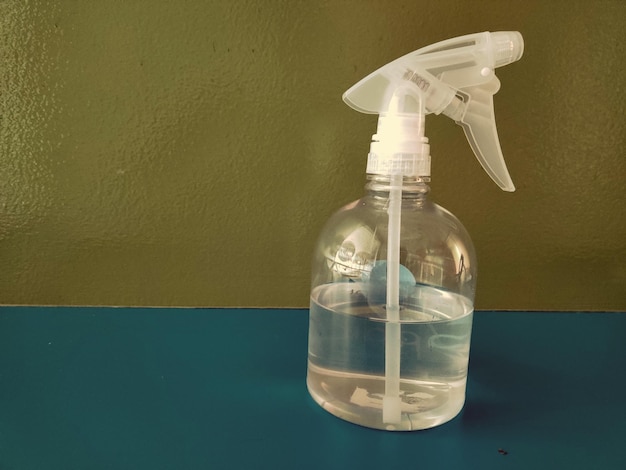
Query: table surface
{"x": 134, "y": 388}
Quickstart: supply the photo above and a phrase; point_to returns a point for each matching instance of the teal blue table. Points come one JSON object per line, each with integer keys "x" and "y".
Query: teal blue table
{"x": 119, "y": 388}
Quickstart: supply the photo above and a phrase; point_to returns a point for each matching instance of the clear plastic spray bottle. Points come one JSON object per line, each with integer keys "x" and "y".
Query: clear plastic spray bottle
{"x": 394, "y": 274}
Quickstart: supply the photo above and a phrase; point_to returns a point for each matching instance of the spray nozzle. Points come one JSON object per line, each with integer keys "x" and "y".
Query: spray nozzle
{"x": 454, "y": 77}
{"x": 508, "y": 47}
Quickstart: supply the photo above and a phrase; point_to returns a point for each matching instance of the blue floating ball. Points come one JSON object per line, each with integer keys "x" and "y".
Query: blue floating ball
{"x": 377, "y": 285}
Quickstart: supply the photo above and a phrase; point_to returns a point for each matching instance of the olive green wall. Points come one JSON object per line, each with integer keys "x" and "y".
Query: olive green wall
{"x": 187, "y": 152}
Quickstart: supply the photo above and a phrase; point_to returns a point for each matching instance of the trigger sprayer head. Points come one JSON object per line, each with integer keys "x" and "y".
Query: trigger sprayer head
{"x": 453, "y": 77}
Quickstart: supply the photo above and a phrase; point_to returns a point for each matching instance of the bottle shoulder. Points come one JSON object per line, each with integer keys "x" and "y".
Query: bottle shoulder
{"x": 374, "y": 210}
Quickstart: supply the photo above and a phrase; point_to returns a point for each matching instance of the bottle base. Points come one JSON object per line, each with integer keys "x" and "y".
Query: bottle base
{"x": 358, "y": 398}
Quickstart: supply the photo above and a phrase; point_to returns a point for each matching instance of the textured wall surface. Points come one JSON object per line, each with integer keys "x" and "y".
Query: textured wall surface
{"x": 188, "y": 152}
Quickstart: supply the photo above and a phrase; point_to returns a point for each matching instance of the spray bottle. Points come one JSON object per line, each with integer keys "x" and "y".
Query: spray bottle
{"x": 394, "y": 274}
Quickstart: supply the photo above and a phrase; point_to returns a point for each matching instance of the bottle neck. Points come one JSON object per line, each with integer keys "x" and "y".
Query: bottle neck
{"x": 413, "y": 187}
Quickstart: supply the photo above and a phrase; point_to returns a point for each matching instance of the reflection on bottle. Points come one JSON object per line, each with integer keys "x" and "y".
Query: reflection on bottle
{"x": 355, "y": 256}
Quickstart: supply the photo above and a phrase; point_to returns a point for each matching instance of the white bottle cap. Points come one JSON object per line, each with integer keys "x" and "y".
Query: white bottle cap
{"x": 399, "y": 146}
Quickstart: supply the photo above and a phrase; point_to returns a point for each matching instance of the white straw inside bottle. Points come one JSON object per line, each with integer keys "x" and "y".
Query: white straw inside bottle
{"x": 391, "y": 401}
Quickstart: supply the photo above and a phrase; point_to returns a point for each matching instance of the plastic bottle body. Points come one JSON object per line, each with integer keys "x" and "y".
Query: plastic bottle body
{"x": 346, "y": 368}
